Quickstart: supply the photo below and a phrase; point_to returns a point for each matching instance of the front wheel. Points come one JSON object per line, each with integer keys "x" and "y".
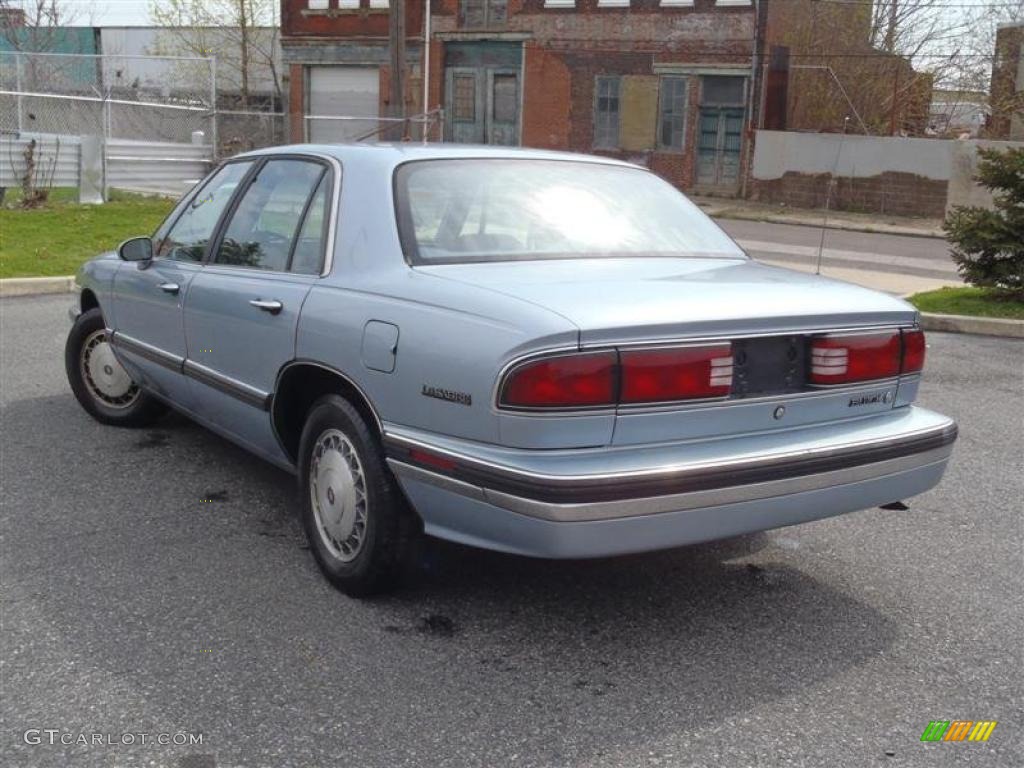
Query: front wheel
{"x": 357, "y": 523}
{"x": 100, "y": 384}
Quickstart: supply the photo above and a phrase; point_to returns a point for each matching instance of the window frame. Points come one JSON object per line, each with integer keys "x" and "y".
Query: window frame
{"x": 617, "y": 79}
{"x": 243, "y": 187}
{"x": 662, "y": 81}
{"x": 742, "y": 102}
{"x": 486, "y": 22}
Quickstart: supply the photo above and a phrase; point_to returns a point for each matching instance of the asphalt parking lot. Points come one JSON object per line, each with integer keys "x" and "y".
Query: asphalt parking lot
{"x": 156, "y": 582}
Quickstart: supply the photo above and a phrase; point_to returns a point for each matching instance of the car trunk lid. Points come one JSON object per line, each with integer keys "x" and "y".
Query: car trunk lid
{"x": 615, "y": 301}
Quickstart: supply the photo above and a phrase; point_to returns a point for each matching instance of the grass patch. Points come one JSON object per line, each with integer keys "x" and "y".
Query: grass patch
{"x": 55, "y": 239}
{"x": 977, "y": 302}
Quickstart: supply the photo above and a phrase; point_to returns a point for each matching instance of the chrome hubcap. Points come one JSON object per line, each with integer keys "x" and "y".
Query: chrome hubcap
{"x": 337, "y": 490}
{"x": 104, "y": 377}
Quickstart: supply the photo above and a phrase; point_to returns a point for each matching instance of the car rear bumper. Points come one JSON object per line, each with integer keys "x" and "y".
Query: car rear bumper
{"x": 592, "y": 502}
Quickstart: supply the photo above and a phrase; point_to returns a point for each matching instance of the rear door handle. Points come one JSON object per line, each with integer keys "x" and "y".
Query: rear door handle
{"x": 170, "y": 287}
{"x": 267, "y": 305}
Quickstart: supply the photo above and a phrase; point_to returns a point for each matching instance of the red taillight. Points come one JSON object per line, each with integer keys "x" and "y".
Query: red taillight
{"x": 682, "y": 373}
{"x": 846, "y": 358}
{"x": 913, "y": 351}
{"x": 569, "y": 381}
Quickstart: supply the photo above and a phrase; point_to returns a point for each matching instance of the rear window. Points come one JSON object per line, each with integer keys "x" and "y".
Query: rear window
{"x": 458, "y": 211}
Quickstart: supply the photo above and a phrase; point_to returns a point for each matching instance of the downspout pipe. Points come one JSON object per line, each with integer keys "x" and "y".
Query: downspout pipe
{"x": 426, "y": 68}
{"x": 753, "y": 102}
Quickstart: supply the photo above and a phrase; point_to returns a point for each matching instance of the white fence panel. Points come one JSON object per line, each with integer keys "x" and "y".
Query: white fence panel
{"x": 56, "y": 157}
{"x": 149, "y": 166}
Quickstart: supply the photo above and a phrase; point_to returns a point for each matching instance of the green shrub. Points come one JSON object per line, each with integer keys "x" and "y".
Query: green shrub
{"x": 988, "y": 244}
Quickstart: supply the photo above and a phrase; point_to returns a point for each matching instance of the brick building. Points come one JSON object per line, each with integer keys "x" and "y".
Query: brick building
{"x": 1006, "y": 97}
{"x": 666, "y": 83}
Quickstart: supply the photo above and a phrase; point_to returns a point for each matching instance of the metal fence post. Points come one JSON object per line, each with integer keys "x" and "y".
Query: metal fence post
{"x": 17, "y": 77}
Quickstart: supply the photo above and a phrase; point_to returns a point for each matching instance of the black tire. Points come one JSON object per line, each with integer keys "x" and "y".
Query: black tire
{"x": 387, "y": 539}
{"x": 135, "y": 408}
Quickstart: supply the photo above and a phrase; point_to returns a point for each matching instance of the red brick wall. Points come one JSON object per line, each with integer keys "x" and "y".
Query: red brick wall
{"x": 547, "y": 94}
{"x": 363, "y": 22}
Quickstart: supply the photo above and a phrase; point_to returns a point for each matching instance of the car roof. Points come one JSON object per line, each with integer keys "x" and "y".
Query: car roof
{"x": 389, "y": 155}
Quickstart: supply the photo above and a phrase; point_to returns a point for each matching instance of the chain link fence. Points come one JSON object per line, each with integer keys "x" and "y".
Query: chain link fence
{"x": 166, "y": 99}
{"x": 145, "y": 98}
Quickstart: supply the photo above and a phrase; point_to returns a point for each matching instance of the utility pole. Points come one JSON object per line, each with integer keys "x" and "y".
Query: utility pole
{"x": 396, "y": 49}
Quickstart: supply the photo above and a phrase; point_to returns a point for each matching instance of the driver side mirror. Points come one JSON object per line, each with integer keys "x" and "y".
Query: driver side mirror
{"x": 136, "y": 249}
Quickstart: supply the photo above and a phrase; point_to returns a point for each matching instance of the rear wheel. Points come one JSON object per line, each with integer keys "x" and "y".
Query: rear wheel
{"x": 359, "y": 528}
{"x": 100, "y": 384}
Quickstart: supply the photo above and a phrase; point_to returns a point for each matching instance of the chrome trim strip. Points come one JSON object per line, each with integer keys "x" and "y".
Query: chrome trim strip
{"x": 678, "y": 502}
{"x": 443, "y": 482}
{"x": 228, "y": 385}
{"x": 944, "y": 434}
{"x": 147, "y": 351}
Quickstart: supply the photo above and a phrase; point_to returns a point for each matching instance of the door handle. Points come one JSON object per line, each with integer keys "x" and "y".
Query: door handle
{"x": 267, "y": 305}
{"x": 170, "y": 287}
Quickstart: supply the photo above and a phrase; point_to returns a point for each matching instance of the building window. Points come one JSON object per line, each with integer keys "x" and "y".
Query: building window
{"x": 348, "y": 4}
{"x": 613, "y": 3}
{"x": 723, "y": 90}
{"x": 559, "y": 3}
{"x": 676, "y": 3}
{"x": 732, "y": 2}
{"x": 482, "y": 14}
{"x": 318, "y": 5}
{"x": 464, "y": 97}
{"x": 378, "y": 3}
{"x": 606, "y": 113}
{"x": 671, "y": 113}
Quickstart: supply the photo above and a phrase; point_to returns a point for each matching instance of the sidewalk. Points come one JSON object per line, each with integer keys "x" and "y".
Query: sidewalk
{"x": 729, "y": 208}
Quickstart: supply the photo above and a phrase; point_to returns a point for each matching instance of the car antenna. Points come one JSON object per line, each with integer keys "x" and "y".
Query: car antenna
{"x": 828, "y": 195}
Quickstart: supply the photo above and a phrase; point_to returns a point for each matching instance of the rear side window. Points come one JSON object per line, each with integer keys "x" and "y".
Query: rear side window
{"x": 309, "y": 245}
{"x": 263, "y": 228}
{"x": 190, "y": 234}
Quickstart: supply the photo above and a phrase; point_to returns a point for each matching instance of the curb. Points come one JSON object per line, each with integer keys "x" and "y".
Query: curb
{"x": 982, "y": 326}
{"x": 33, "y": 286}
{"x": 849, "y": 226}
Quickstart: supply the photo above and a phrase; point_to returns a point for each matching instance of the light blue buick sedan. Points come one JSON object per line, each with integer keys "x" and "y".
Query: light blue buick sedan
{"x": 540, "y": 353}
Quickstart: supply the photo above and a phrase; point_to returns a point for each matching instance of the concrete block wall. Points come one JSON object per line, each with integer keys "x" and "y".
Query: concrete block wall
{"x": 872, "y": 174}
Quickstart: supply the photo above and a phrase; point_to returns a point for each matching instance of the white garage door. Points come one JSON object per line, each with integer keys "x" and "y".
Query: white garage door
{"x": 342, "y": 91}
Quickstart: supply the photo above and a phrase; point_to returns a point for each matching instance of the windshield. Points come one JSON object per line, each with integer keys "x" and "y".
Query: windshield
{"x": 456, "y": 211}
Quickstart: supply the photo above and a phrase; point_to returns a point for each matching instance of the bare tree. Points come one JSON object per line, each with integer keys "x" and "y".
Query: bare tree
{"x": 241, "y": 34}
{"x": 35, "y": 25}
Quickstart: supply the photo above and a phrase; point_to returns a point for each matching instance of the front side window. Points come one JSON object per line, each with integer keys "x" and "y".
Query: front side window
{"x": 671, "y": 113}
{"x": 190, "y": 234}
{"x": 606, "y": 113}
{"x": 263, "y": 227}
{"x": 456, "y": 211}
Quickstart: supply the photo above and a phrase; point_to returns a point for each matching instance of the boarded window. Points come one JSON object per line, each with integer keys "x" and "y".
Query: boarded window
{"x": 672, "y": 113}
{"x": 606, "y": 113}
{"x": 477, "y": 14}
{"x": 721, "y": 89}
